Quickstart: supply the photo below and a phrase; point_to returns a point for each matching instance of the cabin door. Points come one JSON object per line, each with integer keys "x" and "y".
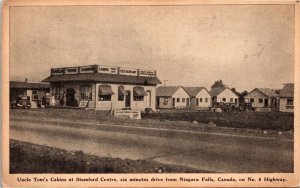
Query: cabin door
{"x": 266, "y": 102}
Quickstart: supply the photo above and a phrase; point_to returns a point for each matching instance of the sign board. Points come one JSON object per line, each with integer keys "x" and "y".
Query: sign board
{"x": 126, "y": 71}
{"x": 83, "y": 104}
{"x": 87, "y": 69}
{"x": 147, "y": 73}
{"x": 107, "y": 69}
{"x": 57, "y": 71}
{"x": 71, "y": 70}
{"x": 132, "y": 114}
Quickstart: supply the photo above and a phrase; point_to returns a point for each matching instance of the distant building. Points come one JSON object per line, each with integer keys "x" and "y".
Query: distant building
{"x": 224, "y": 96}
{"x": 286, "y": 98}
{"x": 262, "y": 99}
{"x": 199, "y": 97}
{"x": 35, "y": 92}
{"x": 103, "y": 87}
{"x": 172, "y": 97}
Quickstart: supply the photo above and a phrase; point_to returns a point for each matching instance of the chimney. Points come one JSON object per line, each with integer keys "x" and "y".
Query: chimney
{"x": 26, "y": 80}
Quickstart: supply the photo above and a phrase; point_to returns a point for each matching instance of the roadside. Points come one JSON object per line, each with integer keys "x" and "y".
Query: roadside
{"x": 171, "y": 121}
{"x": 32, "y": 158}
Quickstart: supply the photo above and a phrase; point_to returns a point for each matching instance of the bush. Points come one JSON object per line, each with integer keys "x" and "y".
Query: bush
{"x": 262, "y": 120}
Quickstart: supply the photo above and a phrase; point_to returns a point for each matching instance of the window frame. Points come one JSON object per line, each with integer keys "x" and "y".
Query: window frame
{"x": 87, "y": 93}
{"x": 138, "y": 98}
{"x": 290, "y": 102}
{"x": 104, "y": 98}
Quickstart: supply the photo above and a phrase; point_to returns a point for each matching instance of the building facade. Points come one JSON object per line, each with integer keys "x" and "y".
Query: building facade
{"x": 224, "y": 96}
{"x": 286, "y": 98}
{"x": 262, "y": 99}
{"x": 34, "y": 92}
{"x": 172, "y": 97}
{"x": 199, "y": 97}
{"x": 102, "y": 87}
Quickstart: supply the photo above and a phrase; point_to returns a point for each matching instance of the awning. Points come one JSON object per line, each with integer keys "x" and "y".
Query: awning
{"x": 139, "y": 91}
{"x": 121, "y": 91}
{"x": 105, "y": 90}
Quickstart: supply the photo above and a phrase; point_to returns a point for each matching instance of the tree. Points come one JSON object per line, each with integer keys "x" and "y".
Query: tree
{"x": 277, "y": 91}
{"x": 218, "y": 83}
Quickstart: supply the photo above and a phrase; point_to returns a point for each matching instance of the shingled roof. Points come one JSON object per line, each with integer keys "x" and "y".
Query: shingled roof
{"x": 193, "y": 91}
{"x": 268, "y": 92}
{"x": 287, "y": 90}
{"x": 216, "y": 91}
{"x": 166, "y": 91}
{"x": 25, "y": 85}
{"x": 107, "y": 78}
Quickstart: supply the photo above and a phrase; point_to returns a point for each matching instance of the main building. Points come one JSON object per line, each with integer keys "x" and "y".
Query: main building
{"x": 104, "y": 87}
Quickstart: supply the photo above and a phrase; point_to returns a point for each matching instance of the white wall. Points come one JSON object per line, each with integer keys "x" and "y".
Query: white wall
{"x": 203, "y": 94}
{"x": 135, "y": 105}
{"x": 228, "y": 94}
{"x": 283, "y": 104}
{"x": 180, "y": 93}
{"x": 256, "y": 95}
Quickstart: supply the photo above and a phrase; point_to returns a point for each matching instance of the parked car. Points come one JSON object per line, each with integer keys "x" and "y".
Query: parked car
{"x": 23, "y": 102}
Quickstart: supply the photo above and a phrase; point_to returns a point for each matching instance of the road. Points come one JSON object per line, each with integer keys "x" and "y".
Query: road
{"x": 213, "y": 152}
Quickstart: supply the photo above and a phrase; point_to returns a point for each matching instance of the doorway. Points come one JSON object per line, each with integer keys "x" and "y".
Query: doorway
{"x": 70, "y": 97}
{"x": 128, "y": 98}
{"x": 266, "y": 102}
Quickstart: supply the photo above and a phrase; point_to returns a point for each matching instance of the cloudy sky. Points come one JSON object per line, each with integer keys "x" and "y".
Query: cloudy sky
{"x": 246, "y": 46}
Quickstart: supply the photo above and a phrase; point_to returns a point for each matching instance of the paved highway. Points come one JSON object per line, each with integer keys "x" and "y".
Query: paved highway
{"x": 213, "y": 152}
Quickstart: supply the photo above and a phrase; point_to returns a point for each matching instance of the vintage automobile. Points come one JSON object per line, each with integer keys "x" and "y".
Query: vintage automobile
{"x": 23, "y": 102}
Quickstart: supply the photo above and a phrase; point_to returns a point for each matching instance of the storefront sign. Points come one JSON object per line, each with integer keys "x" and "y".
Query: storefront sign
{"x": 87, "y": 69}
{"x": 107, "y": 70}
{"x": 125, "y": 71}
{"x": 147, "y": 73}
{"x": 132, "y": 114}
{"x": 71, "y": 70}
{"x": 57, "y": 71}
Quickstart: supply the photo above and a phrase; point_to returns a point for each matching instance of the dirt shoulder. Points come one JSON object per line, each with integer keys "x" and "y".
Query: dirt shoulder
{"x": 32, "y": 158}
{"x": 191, "y": 121}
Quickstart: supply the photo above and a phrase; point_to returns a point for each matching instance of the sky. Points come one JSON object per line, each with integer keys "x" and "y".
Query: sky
{"x": 247, "y": 46}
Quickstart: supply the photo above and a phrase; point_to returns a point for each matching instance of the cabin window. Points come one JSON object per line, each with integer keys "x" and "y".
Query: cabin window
{"x": 251, "y": 100}
{"x": 183, "y": 99}
{"x": 231, "y": 99}
{"x": 86, "y": 93}
{"x": 206, "y": 99}
{"x": 178, "y": 99}
{"x": 200, "y": 99}
{"x": 224, "y": 99}
{"x": 260, "y": 100}
{"x": 290, "y": 101}
{"x": 197, "y": 102}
